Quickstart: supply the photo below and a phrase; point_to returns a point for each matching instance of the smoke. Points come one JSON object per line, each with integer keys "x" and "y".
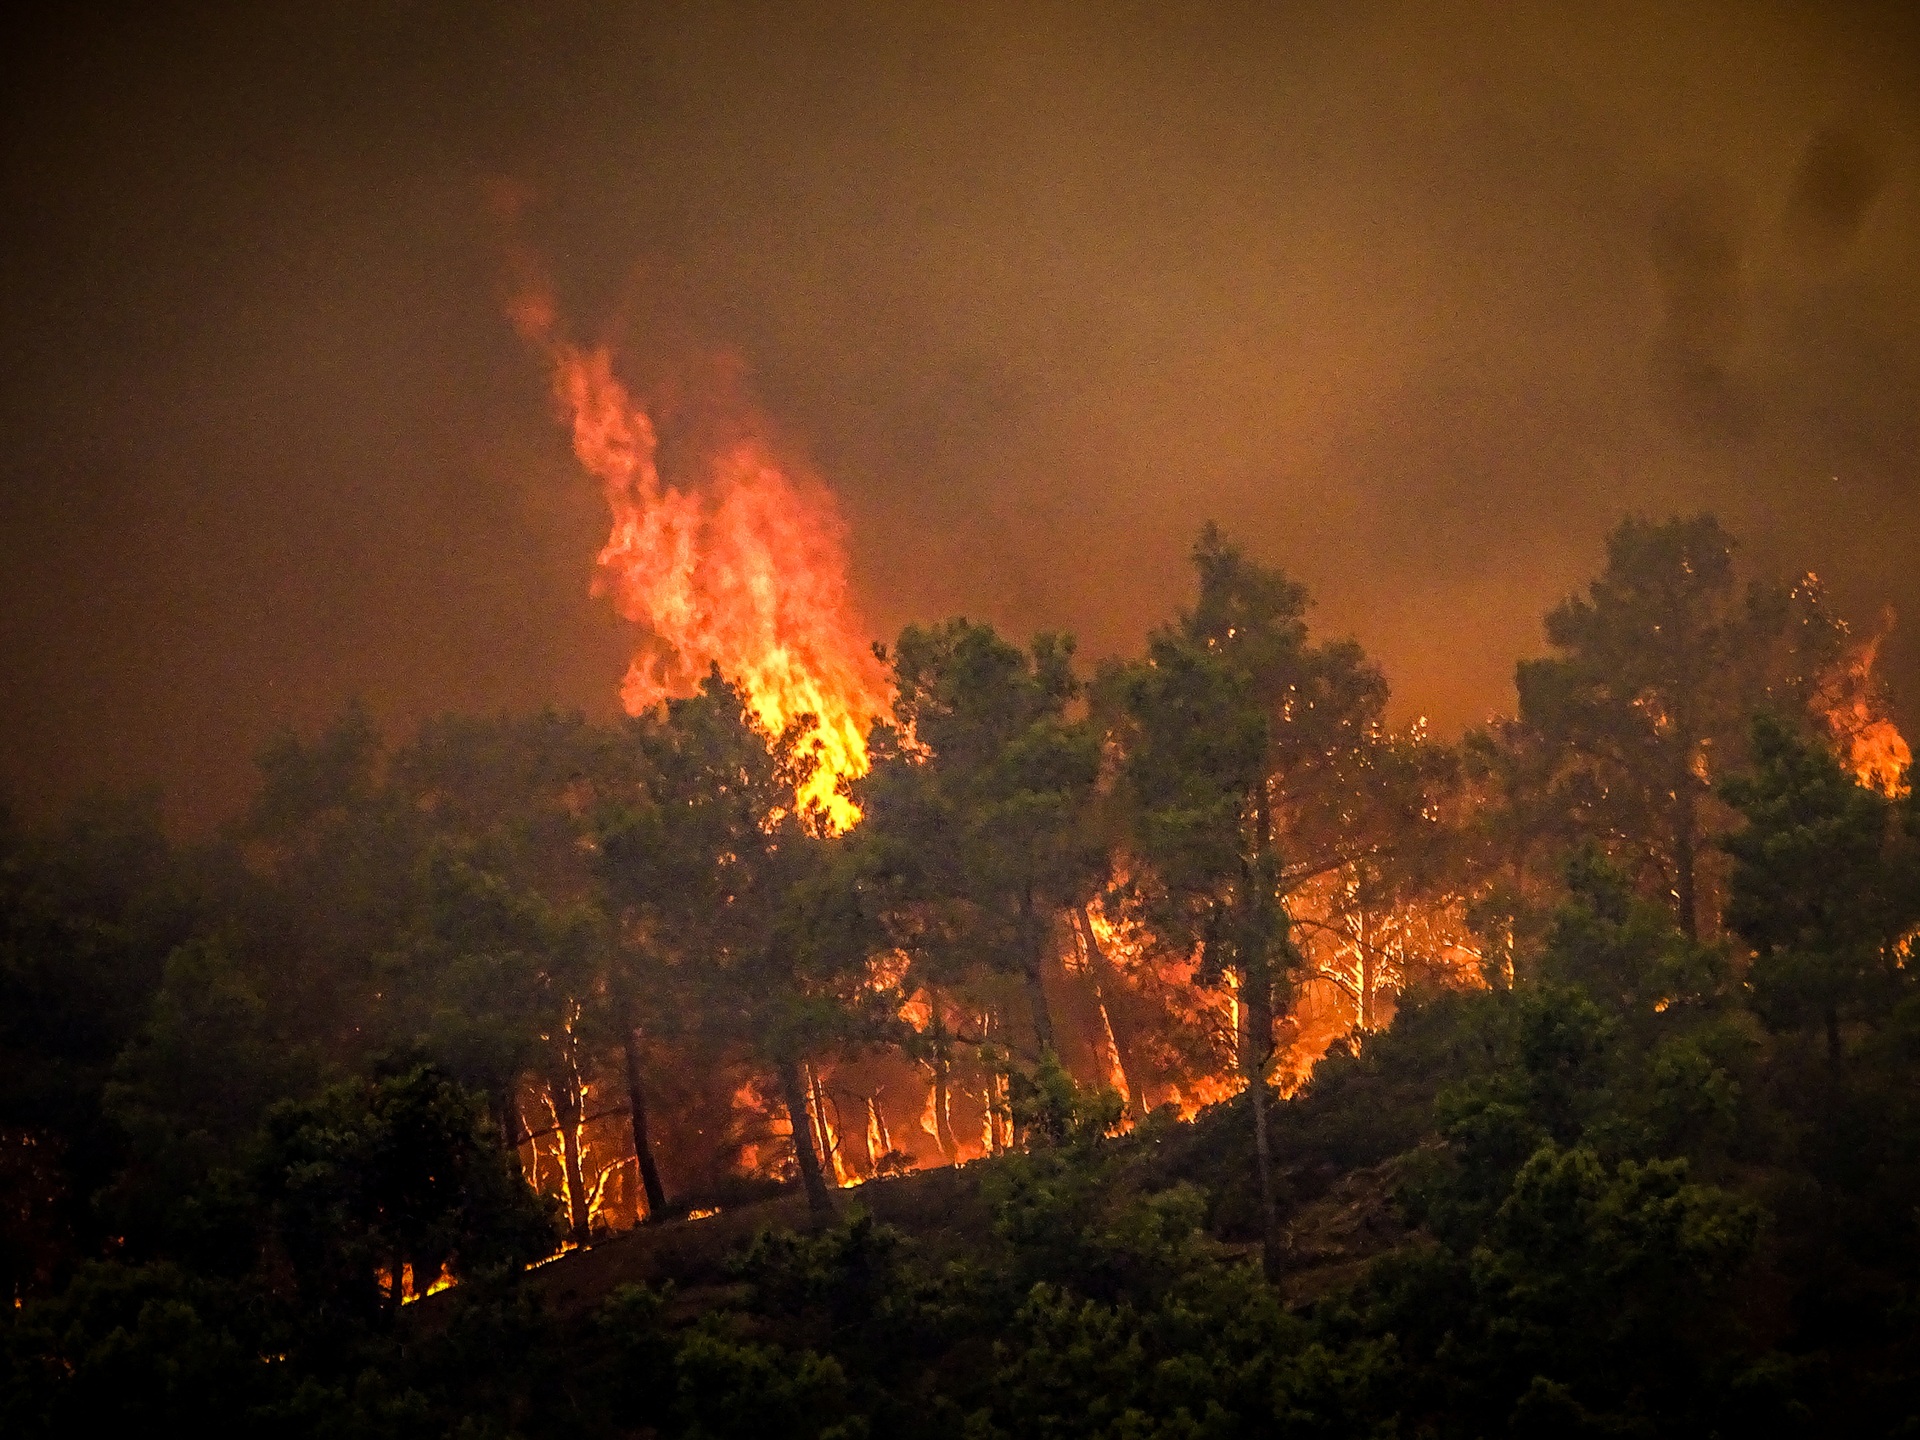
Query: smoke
{"x": 1698, "y": 254}
{"x": 1415, "y": 300}
{"x": 1840, "y": 177}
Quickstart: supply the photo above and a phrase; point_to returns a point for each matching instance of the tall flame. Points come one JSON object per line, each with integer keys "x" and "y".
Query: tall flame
{"x": 743, "y": 567}
{"x": 1849, "y": 699}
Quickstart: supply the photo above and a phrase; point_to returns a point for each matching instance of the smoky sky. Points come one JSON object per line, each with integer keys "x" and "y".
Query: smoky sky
{"x": 1416, "y": 301}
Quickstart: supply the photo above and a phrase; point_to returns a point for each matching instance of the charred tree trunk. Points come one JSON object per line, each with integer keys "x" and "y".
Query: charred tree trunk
{"x": 1368, "y": 967}
{"x": 637, "y": 1114}
{"x": 793, "y": 1092}
{"x": 879, "y": 1140}
{"x": 943, "y": 1112}
{"x": 824, "y": 1132}
{"x": 1262, "y": 923}
{"x": 1033, "y": 958}
{"x": 566, "y": 1115}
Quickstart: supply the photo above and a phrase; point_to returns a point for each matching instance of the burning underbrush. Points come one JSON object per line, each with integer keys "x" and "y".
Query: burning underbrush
{"x": 1127, "y": 1018}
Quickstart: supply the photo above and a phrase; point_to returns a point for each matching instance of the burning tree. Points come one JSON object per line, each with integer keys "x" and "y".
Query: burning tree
{"x": 770, "y": 937}
{"x": 738, "y": 561}
{"x": 1646, "y": 703}
{"x": 1231, "y": 731}
{"x": 987, "y": 783}
{"x": 1825, "y": 887}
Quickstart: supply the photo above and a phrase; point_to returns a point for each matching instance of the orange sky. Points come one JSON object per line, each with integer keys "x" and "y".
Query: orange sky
{"x": 1416, "y": 304}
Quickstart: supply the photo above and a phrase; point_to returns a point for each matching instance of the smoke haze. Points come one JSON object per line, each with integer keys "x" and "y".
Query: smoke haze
{"x": 1415, "y": 300}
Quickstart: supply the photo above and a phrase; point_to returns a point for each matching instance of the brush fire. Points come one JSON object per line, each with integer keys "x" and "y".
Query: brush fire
{"x": 735, "y": 563}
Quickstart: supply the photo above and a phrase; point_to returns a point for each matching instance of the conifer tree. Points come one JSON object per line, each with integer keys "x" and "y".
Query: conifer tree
{"x": 1225, "y": 725}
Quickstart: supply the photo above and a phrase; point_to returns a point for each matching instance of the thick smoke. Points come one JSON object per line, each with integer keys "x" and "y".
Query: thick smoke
{"x": 1840, "y": 177}
{"x": 1415, "y": 300}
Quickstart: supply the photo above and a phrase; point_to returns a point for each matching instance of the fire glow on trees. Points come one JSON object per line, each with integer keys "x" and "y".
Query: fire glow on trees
{"x": 742, "y": 566}
{"x": 727, "y": 555}
{"x": 1848, "y": 698}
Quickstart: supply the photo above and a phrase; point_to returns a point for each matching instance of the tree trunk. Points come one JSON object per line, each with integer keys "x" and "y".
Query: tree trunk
{"x": 566, "y": 1115}
{"x": 879, "y": 1142}
{"x": 506, "y": 1115}
{"x": 1257, "y": 934}
{"x": 1106, "y": 980}
{"x": 1367, "y": 966}
{"x": 637, "y": 1114}
{"x": 830, "y": 1158}
{"x": 942, "y": 1096}
{"x": 1685, "y": 843}
{"x": 793, "y": 1092}
{"x": 1255, "y": 1055}
{"x": 1033, "y": 959}
{"x": 943, "y": 1112}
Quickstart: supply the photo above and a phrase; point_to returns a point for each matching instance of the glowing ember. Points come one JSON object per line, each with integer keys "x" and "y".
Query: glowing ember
{"x": 744, "y": 567}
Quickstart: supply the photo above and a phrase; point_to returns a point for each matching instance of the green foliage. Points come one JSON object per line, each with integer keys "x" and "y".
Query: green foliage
{"x": 769, "y": 937}
{"x": 637, "y": 1350}
{"x": 1650, "y": 1182}
{"x": 134, "y": 1347}
{"x": 980, "y": 806}
{"x": 1646, "y": 702}
{"x": 846, "y": 1273}
{"x": 374, "y": 1178}
{"x": 1826, "y": 885}
{"x": 1050, "y": 1109}
{"x": 88, "y": 915}
{"x": 190, "y": 1092}
{"x": 734, "y": 1389}
{"x": 1590, "y": 1293}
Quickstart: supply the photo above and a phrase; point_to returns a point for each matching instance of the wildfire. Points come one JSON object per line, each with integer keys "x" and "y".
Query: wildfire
{"x": 1849, "y": 700}
{"x": 726, "y": 554}
{"x": 742, "y": 565}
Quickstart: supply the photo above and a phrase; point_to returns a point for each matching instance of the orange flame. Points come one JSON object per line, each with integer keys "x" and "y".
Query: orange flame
{"x": 744, "y": 568}
{"x": 1849, "y": 699}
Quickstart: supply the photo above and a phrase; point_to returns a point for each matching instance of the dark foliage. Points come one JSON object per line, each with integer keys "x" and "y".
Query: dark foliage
{"x": 1657, "y": 1178}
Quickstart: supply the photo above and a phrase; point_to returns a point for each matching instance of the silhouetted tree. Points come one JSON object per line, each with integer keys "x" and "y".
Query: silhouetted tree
{"x": 1646, "y": 702}
{"x": 1230, "y": 719}
{"x": 90, "y": 909}
{"x": 376, "y": 1180}
{"x": 987, "y": 779}
{"x": 772, "y": 959}
{"x": 1825, "y": 887}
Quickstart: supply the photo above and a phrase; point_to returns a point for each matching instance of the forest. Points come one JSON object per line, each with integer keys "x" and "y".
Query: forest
{"x": 1168, "y": 1047}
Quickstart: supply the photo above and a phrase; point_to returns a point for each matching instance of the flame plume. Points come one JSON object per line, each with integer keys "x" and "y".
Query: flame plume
{"x": 743, "y": 567}
{"x": 1850, "y": 698}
